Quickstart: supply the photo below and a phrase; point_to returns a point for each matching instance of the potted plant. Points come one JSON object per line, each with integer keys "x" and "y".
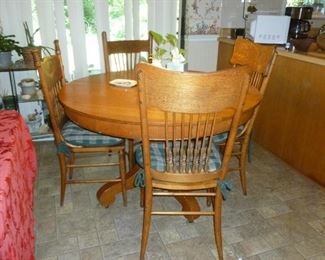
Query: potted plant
{"x": 7, "y": 101}
{"x": 167, "y": 53}
{"x": 7, "y": 45}
{"x": 27, "y": 51}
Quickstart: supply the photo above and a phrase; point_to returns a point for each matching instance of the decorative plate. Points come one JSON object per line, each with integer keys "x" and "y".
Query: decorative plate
{"x": 124, "y": 83}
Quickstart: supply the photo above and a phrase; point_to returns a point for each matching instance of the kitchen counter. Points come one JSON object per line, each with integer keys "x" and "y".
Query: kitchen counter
{"x": 311, "y": 57}
{"x": 291, "y": 121}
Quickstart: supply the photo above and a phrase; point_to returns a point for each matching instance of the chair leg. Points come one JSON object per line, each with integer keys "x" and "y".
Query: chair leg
{"x": 146, "y": 221}
{"x": 131, "y": 153}
{"x": 242, "y": 164}
{"x": 71, "y": 161}
{"x": 63, "y": 171}
{"x": 122, "y": 176}
{"x": 141, "y": 197}
{"x": 217, "y": 223}
{"x": 209, "y": 199}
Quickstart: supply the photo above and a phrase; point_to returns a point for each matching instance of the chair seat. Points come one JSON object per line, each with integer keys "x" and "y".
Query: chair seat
{"x": 76, "y": 135}
{"x": 222, "y": 138}
{"x": 158, "y": 157}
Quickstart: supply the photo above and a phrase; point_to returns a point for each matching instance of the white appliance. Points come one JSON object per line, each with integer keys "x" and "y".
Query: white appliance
{"x": 202, "y": 52}
{"x": 269, "y": 29}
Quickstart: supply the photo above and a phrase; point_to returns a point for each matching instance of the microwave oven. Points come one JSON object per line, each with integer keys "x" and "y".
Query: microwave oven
{"x": 268, "y": 29}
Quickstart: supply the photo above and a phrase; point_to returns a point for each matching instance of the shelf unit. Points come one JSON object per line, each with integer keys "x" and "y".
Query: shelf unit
{"x": 21, "y": 67}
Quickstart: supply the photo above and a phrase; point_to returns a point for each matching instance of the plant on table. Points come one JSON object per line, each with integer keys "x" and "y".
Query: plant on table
{"x": 166, "y": 50}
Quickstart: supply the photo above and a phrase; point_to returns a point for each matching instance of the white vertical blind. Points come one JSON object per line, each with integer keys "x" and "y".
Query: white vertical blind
{"x": 128, "y": 14}
{"x": 61, "y": 32}
{"x": 162, "y": 16}
{"x": 13, "y": 14}
{"x": 152, "y": 15}
{"x": 136, "y": 19}
{"x": 78, "y": 37}
{"x": 51, "y": 17}
{"x": 46, "y": 21}
{"x": 102, "y": 24}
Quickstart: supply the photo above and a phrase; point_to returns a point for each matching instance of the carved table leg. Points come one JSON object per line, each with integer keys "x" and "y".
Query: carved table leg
{"x": 189, "y": 204}
{"x": 106, "y": 194}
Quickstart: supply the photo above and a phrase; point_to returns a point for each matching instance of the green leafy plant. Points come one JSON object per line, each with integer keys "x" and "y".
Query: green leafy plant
{"x": 166, "y": 48}
{"x": 7, "y": 43}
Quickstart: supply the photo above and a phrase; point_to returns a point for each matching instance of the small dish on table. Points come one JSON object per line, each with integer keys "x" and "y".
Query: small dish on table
{"x": 124, "y": 83}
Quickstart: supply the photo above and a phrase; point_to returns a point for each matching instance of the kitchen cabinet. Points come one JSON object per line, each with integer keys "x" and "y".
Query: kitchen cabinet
{"x": 33, "y": 109}
{"x": 226, "y": 47}
{"x": 291, "y": 122}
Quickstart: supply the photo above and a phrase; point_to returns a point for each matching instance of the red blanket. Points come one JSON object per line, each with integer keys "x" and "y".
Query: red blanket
{"x": 17, "y": 176}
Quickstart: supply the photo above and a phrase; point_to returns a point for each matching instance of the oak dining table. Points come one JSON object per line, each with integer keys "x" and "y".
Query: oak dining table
{"x": 95, "y": 104}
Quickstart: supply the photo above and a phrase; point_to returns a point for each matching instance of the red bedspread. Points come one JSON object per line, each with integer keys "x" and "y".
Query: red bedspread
{"x": 17, "y": 176}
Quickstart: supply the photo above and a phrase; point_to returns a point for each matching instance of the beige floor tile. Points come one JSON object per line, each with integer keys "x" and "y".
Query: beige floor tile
{"x": 76, "y": 223}
{"x": 278, "y": 219}
{"x": 55, "y": 248}
{"x": 121, "y": 248}
{"x": 70, "y": 256}
{"x": 196, "y": 248}
{"x": 231, "y": 236}
{"x": 318, "y": 225}
{"x": 46, "y": 229}
{"x": 274, "y": 210}
{"x": 88, "y": 240}
{"x": 92, "y": 253}
{"x": 292, "y": 227}
{"x": 48, "y": 258}
{"x": 284, "y": 253}
{"x": 187, "y": 230}
{"x": 318, "y": 257}
{"x": 250, "y": 247}
{"x": 169, "y": 236}
{"x": 311, "y": 247}
{"x": 254, "y": 229}
{"x": 107, "y": 236}
{"x": 275, "y": 239}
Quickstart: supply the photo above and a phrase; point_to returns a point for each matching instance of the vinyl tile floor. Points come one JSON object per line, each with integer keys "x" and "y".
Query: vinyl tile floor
{"x": 282, "y": 217}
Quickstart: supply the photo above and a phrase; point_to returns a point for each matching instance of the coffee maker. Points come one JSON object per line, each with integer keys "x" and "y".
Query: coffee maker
{"x": 299, "y": 24}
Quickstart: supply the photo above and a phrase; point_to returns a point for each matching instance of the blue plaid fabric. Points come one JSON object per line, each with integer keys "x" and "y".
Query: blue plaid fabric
{"x": 158, "y": 158}
{"x": 222, "y": 138}
{"x": 76, "y": 135}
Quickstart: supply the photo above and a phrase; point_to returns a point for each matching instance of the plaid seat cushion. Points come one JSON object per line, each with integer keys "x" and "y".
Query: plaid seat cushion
{"x": 158, "y": 157}
{"x": 76, "y": 135}
{"x": 222, "y": 138}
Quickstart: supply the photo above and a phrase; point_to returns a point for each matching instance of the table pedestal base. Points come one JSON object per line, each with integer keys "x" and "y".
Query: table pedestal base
{"x": 106, "y": 194}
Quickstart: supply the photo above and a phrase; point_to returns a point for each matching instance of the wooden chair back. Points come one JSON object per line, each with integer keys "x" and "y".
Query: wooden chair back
{"x": 257, "y": 57}
{"x": 52, "y": 79}
{"x": 191, "y": 103}
{"x": 124, "y": 55}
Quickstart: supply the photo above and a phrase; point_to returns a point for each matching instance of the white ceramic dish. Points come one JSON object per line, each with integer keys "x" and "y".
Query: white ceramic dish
{"x": 26, "y": 97}
{"x": 28, "y": 82}
{"x": 124, "y": 83}
{"x": 27, "y": 90}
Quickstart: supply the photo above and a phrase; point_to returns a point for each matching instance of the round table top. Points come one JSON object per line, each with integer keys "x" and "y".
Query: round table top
{"x": 95, "y": 104}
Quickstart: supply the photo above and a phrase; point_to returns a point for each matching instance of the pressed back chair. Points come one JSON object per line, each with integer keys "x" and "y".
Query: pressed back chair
{"x": 124, "y": 56}
{"x": 260, "y": 59}
{"x": 69, "y": 138}
{"x": 181, "y": 160}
